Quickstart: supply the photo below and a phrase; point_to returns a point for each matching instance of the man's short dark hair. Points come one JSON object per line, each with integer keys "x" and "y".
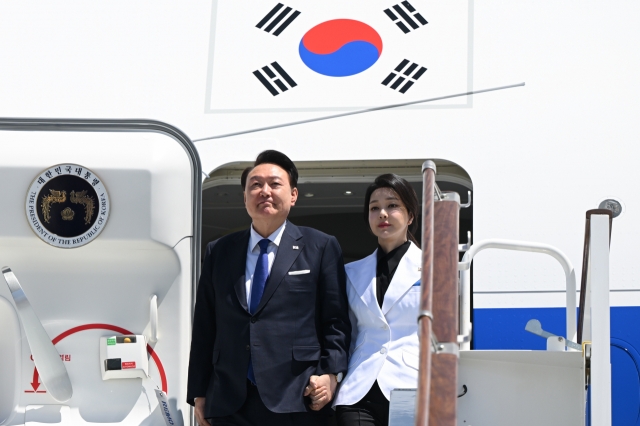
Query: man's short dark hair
{"x": 272, "y": 156}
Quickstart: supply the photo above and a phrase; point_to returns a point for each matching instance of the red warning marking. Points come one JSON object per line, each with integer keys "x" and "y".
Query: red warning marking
{"x": 35, "y": 384}
{"x": 130, "y": 364}
{"x": 64, "y": 357}
{"x": 163, "y": 377}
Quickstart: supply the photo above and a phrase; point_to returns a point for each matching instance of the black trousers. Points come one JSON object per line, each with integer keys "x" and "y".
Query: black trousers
{"x": 254, "y": 413}
{"x": 371, "y": 410}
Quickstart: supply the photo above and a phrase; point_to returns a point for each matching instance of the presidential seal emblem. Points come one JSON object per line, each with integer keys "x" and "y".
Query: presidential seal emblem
{"x": 67, "y": 206}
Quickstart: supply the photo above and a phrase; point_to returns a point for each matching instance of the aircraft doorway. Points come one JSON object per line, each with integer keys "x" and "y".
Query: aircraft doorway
{"x": 330, "y": 200}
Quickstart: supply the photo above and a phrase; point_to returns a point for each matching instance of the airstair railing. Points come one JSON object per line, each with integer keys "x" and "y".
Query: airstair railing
{"x": 444, "y": 363}
{"x": 438, "y": 318}
{"x": 465, "y": 280}
{"x": 425, "y": 316}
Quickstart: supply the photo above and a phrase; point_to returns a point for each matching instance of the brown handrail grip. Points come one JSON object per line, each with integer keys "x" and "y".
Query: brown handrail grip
{"x": 585, "y": 263}
{"x": 426, "y": 288}
{"x": 444, "y": 366}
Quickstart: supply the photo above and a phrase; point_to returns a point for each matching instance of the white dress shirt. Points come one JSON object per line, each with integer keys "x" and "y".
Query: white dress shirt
{"x": 253, "y": 251}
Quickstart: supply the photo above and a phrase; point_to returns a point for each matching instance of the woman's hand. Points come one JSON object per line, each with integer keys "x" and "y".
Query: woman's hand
{"x": 321, "y": 390}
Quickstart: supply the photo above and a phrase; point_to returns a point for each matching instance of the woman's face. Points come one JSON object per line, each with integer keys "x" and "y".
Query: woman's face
{"x": 388, "y": 217}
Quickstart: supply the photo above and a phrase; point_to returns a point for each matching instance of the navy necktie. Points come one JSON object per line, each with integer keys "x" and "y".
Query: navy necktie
{"x": 260, "y": 275}
{"x": 258, "y": 282}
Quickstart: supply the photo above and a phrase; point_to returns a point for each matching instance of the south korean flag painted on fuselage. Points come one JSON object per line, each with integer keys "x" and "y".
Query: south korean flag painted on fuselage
{"x": 336, "y": 55}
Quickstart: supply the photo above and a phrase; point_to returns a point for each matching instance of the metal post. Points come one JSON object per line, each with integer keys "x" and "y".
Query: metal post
{"x": 600, "y": 321}
{"x": 444, "y": 365}
{"x": 584, "y": 316}
{"x": 425, "y": 317}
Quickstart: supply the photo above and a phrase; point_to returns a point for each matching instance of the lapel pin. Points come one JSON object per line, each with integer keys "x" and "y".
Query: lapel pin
{"x": 295, "y": 247}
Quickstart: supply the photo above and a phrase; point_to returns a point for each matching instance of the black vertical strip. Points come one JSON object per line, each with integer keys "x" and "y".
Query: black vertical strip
{"x": 280, "y": 85}
{"x": 389, "y": 78}
{"x": 286, "y": 23}
{"x": 419, "y": 73}
{"x": 284, "y": 74}
{"x": 402, "y": 65}
{"x": 266, "y": 84}
{"x": 397, "y": 83}
{"x": 420, "y": 19}
{"x": 406, "y": 17}
{"x": 406, "y": 86}
{"x": 269, "y": 15}
{"x": 278, "y": 19}
{"x": 268, "y": 72}
{"x": 410, "y": 69}
{"x": 403, "y": 27}
{"x": 408, "y": 6}
{"x": 391, "y": 15}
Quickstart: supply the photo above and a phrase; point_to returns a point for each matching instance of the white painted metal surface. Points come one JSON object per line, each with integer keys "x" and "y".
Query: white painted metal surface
{"x": 83, "y": 294}
{"x": 556, "y": 344}
{"x": 506, "y": 388}
{"x": 153, "y": 319}
{"x": 465, "y": 280}
{"x": 11, "y": 356}
{"x": 47, "y": 360}
{"x": 524, "y": 388}
{"x": 587, "y": 323}
{"x": 600, "y": 322}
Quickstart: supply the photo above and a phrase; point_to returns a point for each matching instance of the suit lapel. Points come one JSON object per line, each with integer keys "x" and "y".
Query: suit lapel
{"x": 406, "y": 275}
{"x": 363, "y": 279}
{"x": 283, "y": 261}
{"x": 238, "y": 264}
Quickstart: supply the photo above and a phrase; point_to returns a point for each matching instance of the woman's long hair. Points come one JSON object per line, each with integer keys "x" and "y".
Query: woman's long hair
{"x": 407, "y": 196}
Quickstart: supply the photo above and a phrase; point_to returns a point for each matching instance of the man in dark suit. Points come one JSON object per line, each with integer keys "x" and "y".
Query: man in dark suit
{"x": 271, "y": 329}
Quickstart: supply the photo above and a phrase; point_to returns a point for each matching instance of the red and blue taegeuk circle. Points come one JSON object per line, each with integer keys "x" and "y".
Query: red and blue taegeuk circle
{"x": 340, "y": 47}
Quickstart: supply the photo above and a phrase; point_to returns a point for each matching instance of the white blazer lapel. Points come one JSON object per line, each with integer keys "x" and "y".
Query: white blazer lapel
{"x": 406, "y": 275}
{"x": 362, "y": 275}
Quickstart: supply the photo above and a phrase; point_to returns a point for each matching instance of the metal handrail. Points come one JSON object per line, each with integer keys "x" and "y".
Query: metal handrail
{"x": 465, "y": 280}
{"x": 426, "y": 294}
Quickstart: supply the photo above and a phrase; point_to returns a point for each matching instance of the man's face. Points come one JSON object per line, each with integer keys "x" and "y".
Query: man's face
{"x": 268, "y": 194}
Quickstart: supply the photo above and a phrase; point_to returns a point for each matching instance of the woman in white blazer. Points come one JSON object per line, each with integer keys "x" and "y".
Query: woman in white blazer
{"x": 384, "y": 296}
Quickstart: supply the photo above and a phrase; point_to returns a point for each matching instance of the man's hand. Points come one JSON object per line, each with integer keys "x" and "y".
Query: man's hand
{"x": 321, "y": 390}
{"x": 199, "y": 411}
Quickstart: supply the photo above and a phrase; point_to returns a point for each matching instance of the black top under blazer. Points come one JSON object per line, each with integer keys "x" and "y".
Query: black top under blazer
{"x": 301, "y": 326}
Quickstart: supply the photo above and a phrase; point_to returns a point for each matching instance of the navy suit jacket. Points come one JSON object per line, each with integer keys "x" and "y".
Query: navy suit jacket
{"x": 301, "y": 326}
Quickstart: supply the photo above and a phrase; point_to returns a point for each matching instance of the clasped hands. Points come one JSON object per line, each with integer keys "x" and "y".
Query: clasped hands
{"x": 320, "y": 390}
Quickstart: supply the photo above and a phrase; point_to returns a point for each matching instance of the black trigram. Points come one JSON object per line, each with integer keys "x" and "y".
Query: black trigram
{"x": 404, "y": 16}
{"x": 273, "y": 22}
{"x": 405, "y": 76}
{"x": 273, "y": 75}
